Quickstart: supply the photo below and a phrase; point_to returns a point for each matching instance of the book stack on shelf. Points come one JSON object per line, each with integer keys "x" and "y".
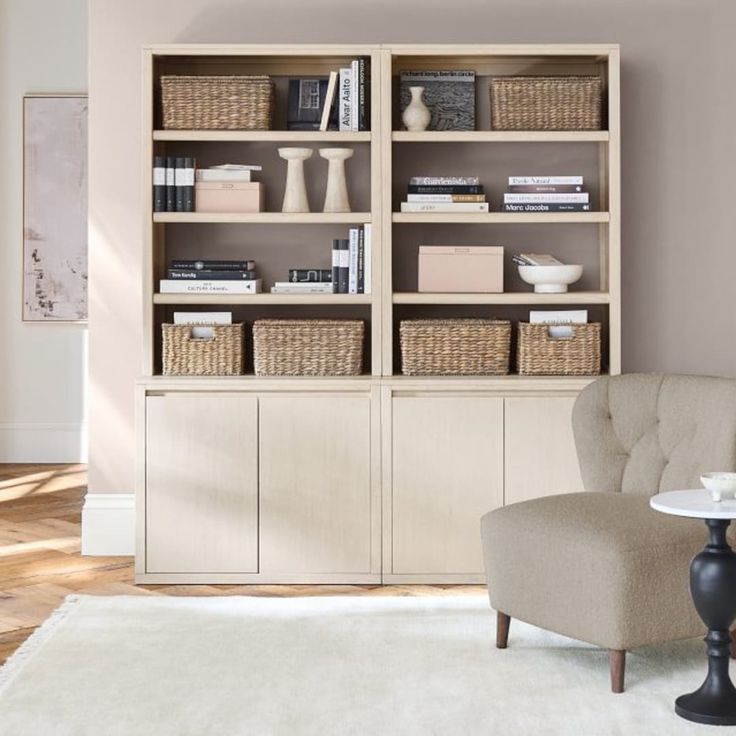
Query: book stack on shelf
{"x": 173, "y": 183}
{"x": 350, "y": 272}
{"x": 445, "y": 194}
{"x": 211, "y": 277}
{"x": 546, "y": 194}
{"x": 337, "y": 102}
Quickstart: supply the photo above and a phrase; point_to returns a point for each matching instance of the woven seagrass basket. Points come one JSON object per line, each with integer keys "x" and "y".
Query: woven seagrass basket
{"x": 217, "y": 102}
{"x": 308, "y": 347}
{"x": 221, "y": 355}
{"x": 538, "y": 354}
{"x": 546, "y": 103}
{"x": 455, "y": 347}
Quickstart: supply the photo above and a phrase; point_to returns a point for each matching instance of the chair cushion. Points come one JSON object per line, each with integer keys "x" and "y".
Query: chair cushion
{"x": 601, "y": 567}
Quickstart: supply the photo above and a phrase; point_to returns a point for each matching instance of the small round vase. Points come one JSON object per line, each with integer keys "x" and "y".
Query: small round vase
{"x": 416, "y": 116}
{"x": 295, "y": 193}
{"x": 336, "y": 195}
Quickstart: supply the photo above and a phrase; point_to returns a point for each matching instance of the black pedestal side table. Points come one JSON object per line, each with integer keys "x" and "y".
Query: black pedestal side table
{"x": 713, "y": 588}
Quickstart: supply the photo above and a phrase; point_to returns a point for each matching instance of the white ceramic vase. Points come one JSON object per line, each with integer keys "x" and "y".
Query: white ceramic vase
{"x": 295, "y": 194}
{"x": 416, "y": 116}
{"x": 336, "y": 195}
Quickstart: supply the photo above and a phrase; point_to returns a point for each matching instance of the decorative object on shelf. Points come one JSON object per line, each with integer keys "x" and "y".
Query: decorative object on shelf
{"x": 550, "y": 279}
{"x": 455, "y": 347}
{"x": 295, "y": 193}
{"x": 303, "y": 347}
{"x": 229, "y": 196}
{"x": 306, "y": 101}
{"x": 54, "y": 208}
{"x": 186, "y": 355}
{"x": 461, "y": 269}
{"x": 720, "y": 485}
{"x": 449, "y": 95}
{"x": 546, "y": 103}
{"x": 336, "y": 194}
{"x": 416, "y": 115}
{"x": 541, "y": 354}
{"x": 206, "y": 102}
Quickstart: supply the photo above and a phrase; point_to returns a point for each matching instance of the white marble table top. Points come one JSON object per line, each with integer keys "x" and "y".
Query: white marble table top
{"x": 696, "y": 504}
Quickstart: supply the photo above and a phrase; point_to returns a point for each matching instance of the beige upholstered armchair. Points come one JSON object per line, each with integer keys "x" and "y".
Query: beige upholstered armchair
{"x": 601, "y": 566}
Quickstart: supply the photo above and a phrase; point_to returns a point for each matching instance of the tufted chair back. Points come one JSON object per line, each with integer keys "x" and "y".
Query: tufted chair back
{"x": 645, "y": 433}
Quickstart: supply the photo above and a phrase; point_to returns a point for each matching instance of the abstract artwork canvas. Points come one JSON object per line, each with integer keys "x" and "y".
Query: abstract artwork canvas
{"x": 55, "y": 208}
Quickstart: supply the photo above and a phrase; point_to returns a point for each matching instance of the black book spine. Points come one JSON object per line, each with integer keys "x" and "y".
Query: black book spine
{"x": 361, "y": 260}
{"x": 214, "y": 265}
{"x": 209, "y": 275}
{"x": 445, "y": 189}
{"x": 544, "y": 188}
{"x": 547, "y": 207}
{"x": 344, "y": 271}
{"x": 335, "y": 266}
{"x": 188, "y": 185}
{"x": 179, "y": 177}
{"x": 170, "y": 184}
{"x": 159, "y": 184}
{"x": 309, "y": 275}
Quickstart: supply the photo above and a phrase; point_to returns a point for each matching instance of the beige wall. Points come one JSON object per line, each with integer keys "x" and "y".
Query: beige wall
{"x": 43, "y": 48}
{"x": 678, "y": 104}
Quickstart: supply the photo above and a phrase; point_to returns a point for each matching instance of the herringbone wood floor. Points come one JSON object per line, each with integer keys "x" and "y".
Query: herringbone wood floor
{"x": 40, "y": 563}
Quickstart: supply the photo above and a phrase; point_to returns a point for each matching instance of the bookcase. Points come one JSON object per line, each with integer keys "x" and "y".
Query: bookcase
{"x": 379, "y": 477}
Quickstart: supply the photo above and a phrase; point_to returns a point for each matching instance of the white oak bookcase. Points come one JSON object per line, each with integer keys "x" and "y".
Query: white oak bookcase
{"x": 380, "y": 477}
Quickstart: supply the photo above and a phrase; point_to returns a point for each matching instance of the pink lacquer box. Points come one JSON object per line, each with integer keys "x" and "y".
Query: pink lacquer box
{"x": 461, "y": 268}
{"x": 229, "y": 196}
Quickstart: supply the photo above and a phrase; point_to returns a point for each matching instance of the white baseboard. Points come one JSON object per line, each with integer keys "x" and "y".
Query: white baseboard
{"x": 43, "y": 442}
{"x": 108, "y": 524}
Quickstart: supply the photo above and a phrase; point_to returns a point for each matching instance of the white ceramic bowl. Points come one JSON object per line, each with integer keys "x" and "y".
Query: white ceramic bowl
{"x": 720, "y": 485}
{"x": 550, "y": 279}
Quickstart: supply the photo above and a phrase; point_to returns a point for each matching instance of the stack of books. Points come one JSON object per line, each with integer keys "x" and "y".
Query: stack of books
{"x": 445, "y": 194}
{"x": 211, "y": 277}
{"x": 350, "y": 272}
{"x": 546, "y": 194}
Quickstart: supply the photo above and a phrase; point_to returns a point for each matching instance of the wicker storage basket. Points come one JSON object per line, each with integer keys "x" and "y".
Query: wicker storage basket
{"x": 216, "y": 103}
{"x": 455, "y": 347}
{"x": 308, "y": 347}
{"x": 184, "y": 355}
{"x": 546, "y": 103}
{"x": 538, "y": 354}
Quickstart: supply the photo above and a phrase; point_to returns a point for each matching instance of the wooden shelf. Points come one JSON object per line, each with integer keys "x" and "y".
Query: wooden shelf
{"x": 231, "y": 299}
{"x": 286, "y": 218}
{"x": 525, "y": 297}
{"x": 500, "y": 217}
{"x": 501, "y": 136}
{"x": 253, "y": 136}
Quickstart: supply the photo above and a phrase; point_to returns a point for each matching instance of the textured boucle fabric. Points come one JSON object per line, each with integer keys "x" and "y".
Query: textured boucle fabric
{"x": 602, "y": 566}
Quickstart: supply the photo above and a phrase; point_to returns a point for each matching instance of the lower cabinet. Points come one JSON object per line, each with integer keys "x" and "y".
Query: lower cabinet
{"x": 201, "y": 474}
{"x": 315, "y": 485}
{"x": 540, "y": 456}
{"x": 447, "y": 463}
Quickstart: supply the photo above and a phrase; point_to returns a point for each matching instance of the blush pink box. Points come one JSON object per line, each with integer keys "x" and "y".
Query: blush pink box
{"x": 461, "y": 268}
{"x": 228, "y": 196}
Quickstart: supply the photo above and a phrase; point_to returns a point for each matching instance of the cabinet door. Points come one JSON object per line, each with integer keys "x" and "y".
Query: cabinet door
{"x": 447, "y": 473}
{"x": 315, "y": 489}
{"x": 540, "y": 450}
{"x": 201, "y": 484}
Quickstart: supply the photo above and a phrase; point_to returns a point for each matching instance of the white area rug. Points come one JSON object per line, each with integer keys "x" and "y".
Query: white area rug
{"x": 373, "y": 666}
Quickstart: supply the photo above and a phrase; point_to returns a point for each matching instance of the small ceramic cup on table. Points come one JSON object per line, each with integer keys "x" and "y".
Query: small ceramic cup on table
{"x": 721, "y": 486}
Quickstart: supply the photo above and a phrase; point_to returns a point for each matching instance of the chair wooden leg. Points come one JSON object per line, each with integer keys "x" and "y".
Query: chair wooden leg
{"x": 502, "y": 630}
{"x": 617, "y": 659}
{"x": 733, "y": 644}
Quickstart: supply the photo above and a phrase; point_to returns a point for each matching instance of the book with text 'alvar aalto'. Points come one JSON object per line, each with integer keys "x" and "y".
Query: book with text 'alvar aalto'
{"x": 170, "y": 286}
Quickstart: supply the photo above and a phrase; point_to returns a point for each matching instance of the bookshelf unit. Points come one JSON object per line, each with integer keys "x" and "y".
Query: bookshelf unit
{"x": 383, "y": 516}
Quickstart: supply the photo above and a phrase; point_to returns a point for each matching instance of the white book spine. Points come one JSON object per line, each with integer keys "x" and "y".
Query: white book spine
{"x": 444, "y": 206}
{"x": 354, "y": 94}
{"x": 344, "y": 99}
{"x": 222, "y": 175}
{"x": 367, "y": 258}
{"x": 168, "y": 286}
{"x": 545, "y": 198}
{"x": 526, "y": 180}
{"x": 353, "y": 262}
